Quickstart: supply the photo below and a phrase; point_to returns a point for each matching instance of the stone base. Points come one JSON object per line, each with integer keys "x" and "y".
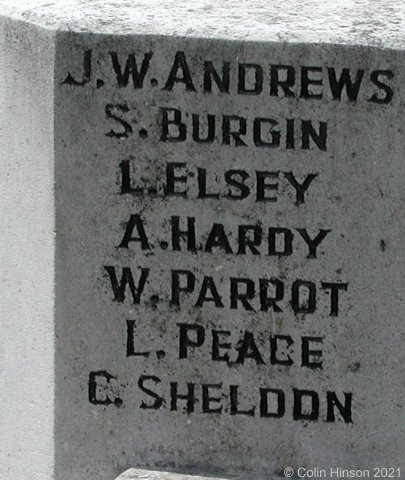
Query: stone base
{"x": 141, "y": 474}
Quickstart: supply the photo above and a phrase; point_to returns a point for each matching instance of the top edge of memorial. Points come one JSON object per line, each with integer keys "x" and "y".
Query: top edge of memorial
{"x": 374, "y": 23}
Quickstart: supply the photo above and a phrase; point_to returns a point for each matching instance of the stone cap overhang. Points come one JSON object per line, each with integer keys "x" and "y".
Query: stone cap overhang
{"x": 373, "y": 23}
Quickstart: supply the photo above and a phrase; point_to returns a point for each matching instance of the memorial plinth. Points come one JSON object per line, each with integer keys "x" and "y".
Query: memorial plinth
{"x": 203, "y": 223}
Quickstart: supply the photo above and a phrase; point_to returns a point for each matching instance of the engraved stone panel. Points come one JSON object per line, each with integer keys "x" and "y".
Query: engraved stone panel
{"x": 228, "y": 255}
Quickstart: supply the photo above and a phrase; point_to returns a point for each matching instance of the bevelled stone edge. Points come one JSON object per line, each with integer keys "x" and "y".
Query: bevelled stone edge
{"x": 142, "y": 474}
{"x": 349, "y": 22}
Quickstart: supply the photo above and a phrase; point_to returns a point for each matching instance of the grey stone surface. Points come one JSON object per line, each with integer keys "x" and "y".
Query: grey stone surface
{"x": 347, "y": 22}
{"x": 27, "y": 252}
{"x": 283, "y": 321}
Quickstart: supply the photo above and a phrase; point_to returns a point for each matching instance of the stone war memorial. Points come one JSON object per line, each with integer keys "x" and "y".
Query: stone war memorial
{"x": 203, "y": 239}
